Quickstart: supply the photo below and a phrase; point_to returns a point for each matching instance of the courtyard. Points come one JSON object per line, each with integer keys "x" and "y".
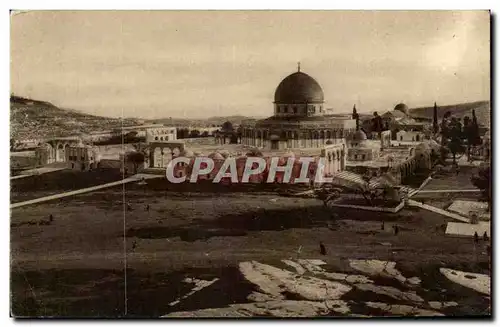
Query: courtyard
{"x": 74, "y": 266}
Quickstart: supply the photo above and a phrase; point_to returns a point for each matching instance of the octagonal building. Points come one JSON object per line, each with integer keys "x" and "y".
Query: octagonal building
{"x": 300, "y": 120}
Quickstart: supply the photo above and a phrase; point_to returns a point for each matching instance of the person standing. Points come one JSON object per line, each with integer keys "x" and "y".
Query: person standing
{"x": 322, "y": 248}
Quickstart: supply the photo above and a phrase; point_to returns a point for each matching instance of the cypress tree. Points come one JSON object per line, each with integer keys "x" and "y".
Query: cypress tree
{"x": 435, "y": 124}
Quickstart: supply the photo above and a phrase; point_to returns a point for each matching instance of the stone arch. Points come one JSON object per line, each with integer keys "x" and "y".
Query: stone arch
{"x": 59, "y": 152}
{"x": 168, "y": 155}
{"x": 175, "y": 152}
{"x": 160, "y": 154}
{"x": 158, "y": 157}
{"x": 66, "y": 149}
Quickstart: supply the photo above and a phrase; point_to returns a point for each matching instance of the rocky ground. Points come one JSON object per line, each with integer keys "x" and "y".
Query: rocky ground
{"x": 236, "y": 254}
{"x": 306, "y": 288}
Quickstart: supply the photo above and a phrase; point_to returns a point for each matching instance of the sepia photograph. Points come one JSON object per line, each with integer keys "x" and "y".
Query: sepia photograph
{"x": 250, "y": 164}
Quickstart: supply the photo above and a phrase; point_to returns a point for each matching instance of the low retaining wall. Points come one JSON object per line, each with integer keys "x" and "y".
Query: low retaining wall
{"x": 438, "y": 211}
{"x": 378, "y": 209}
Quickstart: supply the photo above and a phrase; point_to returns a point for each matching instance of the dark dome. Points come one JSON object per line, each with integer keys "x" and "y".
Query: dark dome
{"x": 298, "y": 88}
{"x": 402, "y": 107}
{"x": 359, "y": 136}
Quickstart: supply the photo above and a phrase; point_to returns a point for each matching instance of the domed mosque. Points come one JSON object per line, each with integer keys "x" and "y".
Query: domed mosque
{"x": 300, "y": 119}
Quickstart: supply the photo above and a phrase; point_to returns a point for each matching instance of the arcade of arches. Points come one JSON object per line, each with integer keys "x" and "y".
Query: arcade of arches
{"x": 292, "y": 137}
{"x": 161, "y": 153}
{"x": 55, "y": 150}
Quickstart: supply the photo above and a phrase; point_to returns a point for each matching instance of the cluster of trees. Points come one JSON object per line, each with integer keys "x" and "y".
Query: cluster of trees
{"x": 460, "y": 137}
{"x": 185, "y": 133}
{"x": 136, "y": 158}
{"x": 375, "y": 125}
{"x": 117, "y": 138}
{"x": 483, "y": 182}
{"x": 227, "y": 128}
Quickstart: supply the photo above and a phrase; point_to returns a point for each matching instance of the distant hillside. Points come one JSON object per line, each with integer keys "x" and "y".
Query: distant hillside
{"x": 208, "y": 122}
{"x": 483, "y": 111}
{"x": 32, "y": 119}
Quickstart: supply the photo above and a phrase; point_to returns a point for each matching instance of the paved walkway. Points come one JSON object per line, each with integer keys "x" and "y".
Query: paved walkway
{"x": 414, "y": 203}
{"x": 134, "y": 178}
{"x": 451, "y": 191}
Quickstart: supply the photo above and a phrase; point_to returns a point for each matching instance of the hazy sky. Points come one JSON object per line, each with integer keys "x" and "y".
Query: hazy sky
{"x": 201, "y": 64}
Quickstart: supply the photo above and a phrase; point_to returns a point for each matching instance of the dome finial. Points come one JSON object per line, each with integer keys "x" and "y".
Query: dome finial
{"x": 298, "y": 66}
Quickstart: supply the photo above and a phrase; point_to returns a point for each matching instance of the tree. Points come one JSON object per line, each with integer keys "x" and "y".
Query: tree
{"x": 377, "y": 124}
{"x": 254, "y": 152}
{"x": 452, "y": 136}
{"x": 227, "y": 127}
{"x": 475, "y": 137}
{"x": 483, "y": 182}
{"x": 130, "y": 137}
{"x": 355, "y": 114}
{"x": 455, "y": 145}
{"x": 445, "y": 127}
{"x": 194, "y": 133}
{"x": 366, "y": 190}
{"x": 182, "y": 133}
{"x": 327, "y": 194}
{"x": 136, "y": 158}
{"x": 435, "y": 124}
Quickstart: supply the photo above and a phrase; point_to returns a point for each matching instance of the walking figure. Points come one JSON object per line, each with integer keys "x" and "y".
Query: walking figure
{"x": 396, "y": 230}
{"x": 485, "y": 236}
{"x": 476, "y": 238}
{"x": 51, "y": 218}
{"x": 134, "y": 245}
{"x": 129, "y": 207}
{"x": 322, "y": 248}
{"x": 147, "y": 207}
{"x": 383, "y": 226}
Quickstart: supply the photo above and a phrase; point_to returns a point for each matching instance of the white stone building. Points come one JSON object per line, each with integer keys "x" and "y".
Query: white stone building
{"x": 161, "y": 134}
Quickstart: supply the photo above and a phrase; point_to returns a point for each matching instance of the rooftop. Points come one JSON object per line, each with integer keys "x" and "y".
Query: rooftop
{"x": 398, "y": 155}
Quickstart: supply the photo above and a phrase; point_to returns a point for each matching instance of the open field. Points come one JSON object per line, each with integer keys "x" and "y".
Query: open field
{"x": 57, "y": 182}
{"x": 74, "y": 266}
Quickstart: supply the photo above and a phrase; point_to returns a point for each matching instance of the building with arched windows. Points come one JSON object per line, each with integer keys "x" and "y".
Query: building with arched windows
{"x": 300, "y": 119}
{"x": 161, "y": 134}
